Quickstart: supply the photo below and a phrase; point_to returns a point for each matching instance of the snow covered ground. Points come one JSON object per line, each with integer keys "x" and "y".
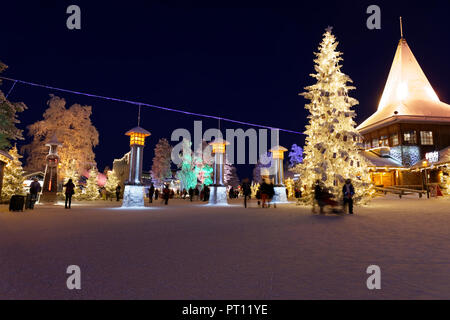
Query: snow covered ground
{"x": 194, "y": 251}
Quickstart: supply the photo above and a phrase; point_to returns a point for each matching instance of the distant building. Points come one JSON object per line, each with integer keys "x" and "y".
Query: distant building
{"x": 409, "y": 124}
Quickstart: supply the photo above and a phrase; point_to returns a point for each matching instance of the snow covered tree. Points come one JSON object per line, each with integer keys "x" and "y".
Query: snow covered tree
{"x": 295, "y": 155}
{"x": 111, "y": 182}
{"x": 72, "y": 127}
{"x": 8, "y": 118}
{"x": 203, "y": 161}
{"x": 332, "y": 150}
{"x": 230, "y": 177}
{"x": 13, "y": 176}
{"x": 186, "y": 174}
{"x": 162, "y": 161}
{"x": 91, "y": 190}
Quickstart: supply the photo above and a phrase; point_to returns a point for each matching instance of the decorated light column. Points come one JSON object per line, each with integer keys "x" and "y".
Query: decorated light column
{"x": 280, "y": 189}
{"x": 133, "y": 195}
{"x": 218, "y": 191}
{"x": 50, "y": 187}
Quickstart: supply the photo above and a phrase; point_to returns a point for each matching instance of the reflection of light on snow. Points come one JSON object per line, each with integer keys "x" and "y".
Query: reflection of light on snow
{"x": 402, "y": 91}
{"x": 430, "y": 92}
{"x": 132, "y": 208}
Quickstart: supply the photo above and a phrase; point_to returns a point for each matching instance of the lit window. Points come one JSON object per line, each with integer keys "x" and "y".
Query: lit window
{"x": 384, "y": 142}
{"x": 394, "y": 139}
{"x": 426, "y": 137}
{"x": 367, "y": 145}
{"x": 410, "y": 137}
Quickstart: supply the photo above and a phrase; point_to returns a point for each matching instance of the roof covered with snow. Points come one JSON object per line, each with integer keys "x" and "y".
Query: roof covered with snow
{"x": 408, "y": 95}
{"x": 137, "y": 130}
{"x": 376, "y": 160}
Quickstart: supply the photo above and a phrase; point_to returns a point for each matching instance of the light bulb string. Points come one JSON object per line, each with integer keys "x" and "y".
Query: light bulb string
{"x": 148, "y": 105}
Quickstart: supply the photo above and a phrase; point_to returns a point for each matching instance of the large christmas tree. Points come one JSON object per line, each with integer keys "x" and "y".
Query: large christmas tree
{"x": 13, "y": 176}
{"x": 332, "y": 151}
{"x": 8, "y": 118}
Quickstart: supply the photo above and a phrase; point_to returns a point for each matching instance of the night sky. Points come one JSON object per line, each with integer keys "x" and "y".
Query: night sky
{"x": 241, "y": 60}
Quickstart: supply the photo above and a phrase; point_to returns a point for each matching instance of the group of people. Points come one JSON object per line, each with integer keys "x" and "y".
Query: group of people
{"x": 265, "y": 194}
{"x": 166, "y": 193}
{"x": 323, "y": 197}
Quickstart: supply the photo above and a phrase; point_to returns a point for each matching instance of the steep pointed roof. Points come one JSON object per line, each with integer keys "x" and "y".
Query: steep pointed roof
{"x": 407, "y": 96}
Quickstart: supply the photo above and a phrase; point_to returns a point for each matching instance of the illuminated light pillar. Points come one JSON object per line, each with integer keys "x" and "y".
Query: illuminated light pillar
{"x": 218, "y": 191}
{"x": 280, "y": 189}
{"x": 133, "y": 195}
{"x": 50, "y": 186}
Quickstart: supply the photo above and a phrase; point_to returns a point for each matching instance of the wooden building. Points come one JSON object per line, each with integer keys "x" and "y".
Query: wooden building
{"x": 409, "y": 123}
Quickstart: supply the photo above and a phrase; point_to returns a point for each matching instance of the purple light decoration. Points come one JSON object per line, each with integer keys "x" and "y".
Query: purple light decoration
{"x": 147, "y": 105}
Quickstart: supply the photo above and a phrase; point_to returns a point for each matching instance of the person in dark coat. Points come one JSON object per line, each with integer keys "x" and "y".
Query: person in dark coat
{"x": 270, "y": 194}
{"x": 118, "y": 192}
{"x": 70, "y": 191}
{"x": 166, "y": 194}
{"x": 231, "y": 193}
{"x": 348, "y": 191}
{"x": 156, "y": 194}
{"x": 206, "y": 193}
{"x": 191, "y": 194}
{"x": 264, "y": 193}
{"x": 318, "y": 195}
{"x": 246, "y": 191}
{"x": 35, "y": 188}
{"x": 151, "y": 191}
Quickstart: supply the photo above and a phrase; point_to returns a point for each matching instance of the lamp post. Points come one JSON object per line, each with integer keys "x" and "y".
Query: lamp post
{"x": 50, "y": 187}
{"x": 218, "y": 191}
{"x": 133, "y": 195}
{"x": 280, "y": 189}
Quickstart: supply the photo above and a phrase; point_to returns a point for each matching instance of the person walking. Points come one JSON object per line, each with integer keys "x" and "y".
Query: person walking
{"x": 118, "y": 192}
{"x": 191, "y": 193}
{"x": 151, "y": 192}
{"x": 166, "y": 194}
{"x": 264, "y": 193}
{"x": 246, "y": 191}
{"x": 70, "y": 191}
{"x": 348, "y": 191}
{"x": 271, "y": 194}
{"x": 35, "y": 188}
{"x": 317, "y": 197}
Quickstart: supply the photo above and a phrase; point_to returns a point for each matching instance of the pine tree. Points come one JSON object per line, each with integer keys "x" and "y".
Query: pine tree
{"x": 91, "y": 190}
{"x": 8, "y": 118}
{"x": 111, "y": 182}
{"x": 332, "y": 151}
{"x": 162, "y": 161}
{"x": 186, "y": 174}
{"x": 13, "y": 176}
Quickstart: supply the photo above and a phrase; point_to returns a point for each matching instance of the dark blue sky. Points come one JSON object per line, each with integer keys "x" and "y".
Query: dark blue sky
{"x": 241, "y": 60}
